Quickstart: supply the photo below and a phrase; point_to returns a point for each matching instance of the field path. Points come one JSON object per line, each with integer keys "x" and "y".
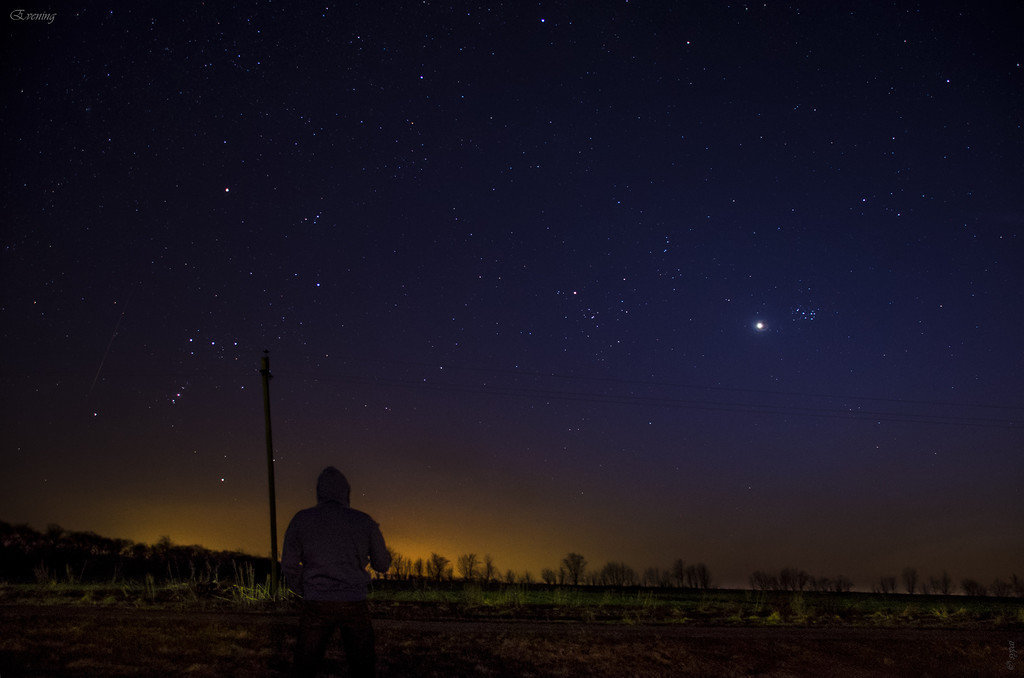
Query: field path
{"x": 80, "y": 640}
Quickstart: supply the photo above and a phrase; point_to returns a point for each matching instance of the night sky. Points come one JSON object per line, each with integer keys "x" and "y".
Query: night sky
{"x": 732, "y": 283}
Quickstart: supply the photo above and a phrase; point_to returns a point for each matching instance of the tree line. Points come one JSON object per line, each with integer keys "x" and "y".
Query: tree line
{"x": 571, "y": 571}
{"x": 56, "y": 554}
{"x": 794, "y": 579}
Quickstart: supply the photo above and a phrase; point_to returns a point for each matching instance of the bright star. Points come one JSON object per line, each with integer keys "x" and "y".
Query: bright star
{"x": 760, "y": 326}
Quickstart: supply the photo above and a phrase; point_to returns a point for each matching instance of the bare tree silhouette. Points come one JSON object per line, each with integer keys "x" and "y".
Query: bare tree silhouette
{"x": 793, "y": 579}
{"x": 702, "y": 576}
{"x": 698, "y": 576}
{"x": 762, "y": 581}
{"x": 679, "y": 573}
{"x": 468, "y": 564}
{"x": 574, "y": 565}
{"x": 910, "y": 579}
{"x": 437, "y": 566}
{"x": 942, "y": 584}
{"x": 617, "y": 574}
{"x": 842, "y": 584}
{"x": 971, "y": 587}
{"x": 655, "y": 576}
{"x": 398, "y": 564}
{"x": 490, "y": 571}
{"x": 886, "y": 585}
{"x": 1000, "y": 588}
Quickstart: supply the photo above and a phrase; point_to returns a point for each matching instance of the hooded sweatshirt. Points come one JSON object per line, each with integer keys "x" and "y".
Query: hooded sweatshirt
{"x": 327, "y": 547}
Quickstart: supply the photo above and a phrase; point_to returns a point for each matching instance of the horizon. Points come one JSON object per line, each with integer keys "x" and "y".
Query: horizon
{"x": 925, "y": 578}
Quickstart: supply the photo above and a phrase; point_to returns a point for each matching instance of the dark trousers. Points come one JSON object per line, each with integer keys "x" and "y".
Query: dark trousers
{"x": 319, "y": 619}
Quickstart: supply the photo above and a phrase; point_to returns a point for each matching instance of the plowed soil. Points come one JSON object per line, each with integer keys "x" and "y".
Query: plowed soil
{"x": 50, "y": 640}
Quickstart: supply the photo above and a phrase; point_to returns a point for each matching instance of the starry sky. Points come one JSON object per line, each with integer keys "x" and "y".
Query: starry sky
{"x": 732, "y": 283}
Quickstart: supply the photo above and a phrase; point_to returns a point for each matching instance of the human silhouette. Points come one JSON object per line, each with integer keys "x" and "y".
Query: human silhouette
{"x": 326, "y": 551}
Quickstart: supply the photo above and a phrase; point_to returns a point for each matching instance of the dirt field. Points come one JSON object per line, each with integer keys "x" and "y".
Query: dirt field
{"x": 38, "y": 640}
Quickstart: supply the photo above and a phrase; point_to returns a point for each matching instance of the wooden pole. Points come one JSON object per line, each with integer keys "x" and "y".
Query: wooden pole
{"x": 265, "y": 372}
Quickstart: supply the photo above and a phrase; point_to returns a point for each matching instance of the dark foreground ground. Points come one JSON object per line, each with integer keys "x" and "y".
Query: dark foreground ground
{"x": 48, "y": 640}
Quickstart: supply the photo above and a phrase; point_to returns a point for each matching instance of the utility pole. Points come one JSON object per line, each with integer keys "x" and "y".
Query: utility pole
{"x": 265, "y": 372}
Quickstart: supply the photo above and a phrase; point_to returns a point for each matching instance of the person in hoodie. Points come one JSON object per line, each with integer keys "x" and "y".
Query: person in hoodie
{"x": 326, "y": 551}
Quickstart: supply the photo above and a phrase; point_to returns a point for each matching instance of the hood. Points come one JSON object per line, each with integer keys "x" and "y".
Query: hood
{"x": 332, "y": 486}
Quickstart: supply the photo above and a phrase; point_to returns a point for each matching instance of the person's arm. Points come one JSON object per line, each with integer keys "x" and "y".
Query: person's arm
{"x": 380, "y": 559}
{"x": 291, "y": 558}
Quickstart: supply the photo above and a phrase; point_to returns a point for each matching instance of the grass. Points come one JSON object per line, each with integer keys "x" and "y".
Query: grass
{"x": 247, "y": 591}
{"x": 194, "y": 627}
{"x": 450, "y": 600}
{"x": 244, "y": 591}
{"x": 716, "y": 607}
